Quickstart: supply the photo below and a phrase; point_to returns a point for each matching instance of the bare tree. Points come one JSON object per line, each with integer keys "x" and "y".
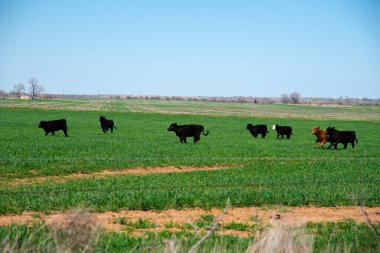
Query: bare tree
{"x": 18, "y": 89}
{"x": 295, "y": 97}
{"x": 285, "y": 98}
{"x": 35, "y": 89}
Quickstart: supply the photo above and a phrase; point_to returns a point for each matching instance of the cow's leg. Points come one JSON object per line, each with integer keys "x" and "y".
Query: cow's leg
{"x": 111, "y": 129}
{"x": 65, "y": 132}
{"x": 255, "y": 135}
{"x": 323, "y": 143}
{"x": 345, "y": 145}
{"x": 263, "y": 135}
{"x": 288, "y": 136}
{"x": 52, "y": 133}
{"x": 336, "y": 145}
{"x": 196, "y": 138}
{"x": 331, "y": 144}
{"x": 353, "y": 144}
{"x": 46, "y": 133}
{"x": 278, "y": 135}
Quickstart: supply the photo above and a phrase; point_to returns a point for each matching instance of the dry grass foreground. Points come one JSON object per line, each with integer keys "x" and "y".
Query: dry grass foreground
{"x": 107, "y": 173}
{"x": 293, "y": 216}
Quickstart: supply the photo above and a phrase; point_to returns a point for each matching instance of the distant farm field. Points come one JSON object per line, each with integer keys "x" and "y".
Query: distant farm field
{"x": 255, "y": 171}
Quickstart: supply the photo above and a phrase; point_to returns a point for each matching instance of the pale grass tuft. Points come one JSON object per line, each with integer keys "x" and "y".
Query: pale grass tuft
{"x": 78, "y": 233}
{"x": 284, "y": 239}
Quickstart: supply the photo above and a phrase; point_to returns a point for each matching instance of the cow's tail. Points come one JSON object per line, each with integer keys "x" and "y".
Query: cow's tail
{"x": 356, "y": 140}
{"x": 114, "y": 127}
{"x": 205, "y": 133}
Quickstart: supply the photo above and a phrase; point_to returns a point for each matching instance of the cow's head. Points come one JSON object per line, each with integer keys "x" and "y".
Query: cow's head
{"x": 249, "y": 126}
{"x": 102, "y": 118}
{"x": 315, "y": 130}
{"x": 274, "y": 127}
{"x": 330, "y": 130}
{"x": 172, "y": 127}
{"x": 42, "y": 124}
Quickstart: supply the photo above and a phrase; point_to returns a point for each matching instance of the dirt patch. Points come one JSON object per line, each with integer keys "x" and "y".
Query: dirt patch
{"x": 180, "y": 218}
{"x": 108, "y": 173}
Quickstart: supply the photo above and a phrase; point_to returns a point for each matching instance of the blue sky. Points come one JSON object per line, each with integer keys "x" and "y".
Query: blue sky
{"x": 209, "y": 48}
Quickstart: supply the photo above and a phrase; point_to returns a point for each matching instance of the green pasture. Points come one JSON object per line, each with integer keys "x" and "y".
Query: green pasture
{"x": 263, "y": 171}
{"x": 142, "y": 140}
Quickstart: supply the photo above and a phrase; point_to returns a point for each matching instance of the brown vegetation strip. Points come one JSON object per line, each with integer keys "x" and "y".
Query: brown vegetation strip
{"x": 109, "y": 173}
{"x": 246, "y": 215}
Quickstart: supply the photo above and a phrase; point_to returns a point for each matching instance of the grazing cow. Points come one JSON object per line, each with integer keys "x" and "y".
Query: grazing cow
{"x": 344, "y": 137}
{"x": 258, "y": 129}
{"x": 106, "y": 124}
{"x": 183, "y": 131}
{"x": 322, "y": 137}
{"x": 283, "y": 130}
{"x": 53, "y": 125}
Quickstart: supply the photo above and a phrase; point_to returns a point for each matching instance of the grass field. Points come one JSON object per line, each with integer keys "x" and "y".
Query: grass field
{"x": 345, "y": 236}
{"x": 261, "y": 172}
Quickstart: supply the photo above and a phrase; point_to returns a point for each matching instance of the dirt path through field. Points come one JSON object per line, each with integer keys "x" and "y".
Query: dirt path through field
{"x": 107, "y": 173}
{"x": 178, "y": 219}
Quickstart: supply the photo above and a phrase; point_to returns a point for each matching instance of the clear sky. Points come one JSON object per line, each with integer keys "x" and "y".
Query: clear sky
{"x": 323, "y": 48}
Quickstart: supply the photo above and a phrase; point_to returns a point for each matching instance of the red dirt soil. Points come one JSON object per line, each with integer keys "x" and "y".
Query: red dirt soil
{"x": 109, "y": 173}
{"x": 247, "y": 215}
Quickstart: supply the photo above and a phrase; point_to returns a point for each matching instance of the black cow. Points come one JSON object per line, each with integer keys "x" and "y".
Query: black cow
{"x": 53, "y": 125}
{"x": 183, "y": 131}
{"x": 258, "y": 129}
{"x": 283, "y": 130}
{"x": 106, "y": 124}
{"x": 344, "y": 137}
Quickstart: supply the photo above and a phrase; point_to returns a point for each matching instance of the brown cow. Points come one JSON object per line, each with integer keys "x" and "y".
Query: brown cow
{"x": 322, "y": 137}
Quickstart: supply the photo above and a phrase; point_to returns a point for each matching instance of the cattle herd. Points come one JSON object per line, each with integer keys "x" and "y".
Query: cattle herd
{"x": 331, "y": 134}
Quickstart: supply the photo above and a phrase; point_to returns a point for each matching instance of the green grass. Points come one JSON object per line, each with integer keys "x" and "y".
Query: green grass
{"x": 237, "y": 226}
{"x": 345, "y": 236}
{"x": 266, "y": 171}
{"x": 142, "y": 140}
{"x": 261, "y": 183}
{"x": 205, "y": 221}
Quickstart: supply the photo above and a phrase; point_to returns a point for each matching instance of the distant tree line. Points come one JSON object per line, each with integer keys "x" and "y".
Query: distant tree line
{"x": 292, "y": 98}
{"x": 34, "y": 90}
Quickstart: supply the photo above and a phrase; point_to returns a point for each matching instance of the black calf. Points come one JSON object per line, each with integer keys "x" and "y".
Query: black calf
{"x": 53, "y": 125}
{"x": 183, "y": 131}
{"x": 106, "y": 124}
{"x": 258, "y": 129}
{"x": 344, "y": 137}
{"x": 283, "y": 130}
